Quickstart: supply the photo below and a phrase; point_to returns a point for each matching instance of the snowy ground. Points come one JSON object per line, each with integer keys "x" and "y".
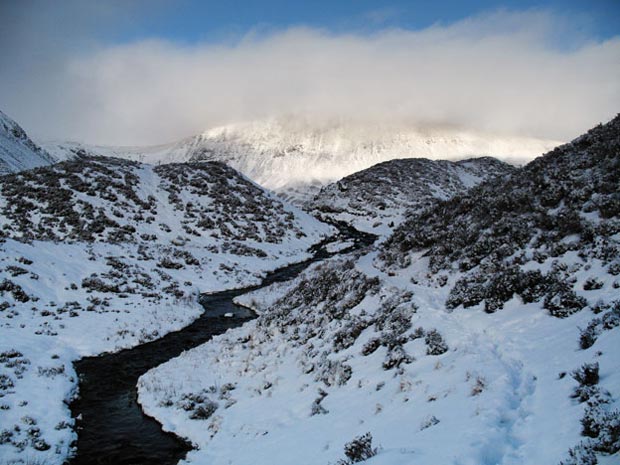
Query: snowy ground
{"x": 294, "y": 385}
{"x": 64, "y": 299}
{"x": 52, "y": 332}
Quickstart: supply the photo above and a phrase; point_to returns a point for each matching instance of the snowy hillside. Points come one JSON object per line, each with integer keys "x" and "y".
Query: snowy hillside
{"x": 377, "y": 199}
{"x": 17, "y": 151}
{"x": 484, "y": 331}
{"x": 287, "y": 155}
{"x": 99, "y": 254}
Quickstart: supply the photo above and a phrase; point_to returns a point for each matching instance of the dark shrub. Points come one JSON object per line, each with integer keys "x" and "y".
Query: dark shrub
{"x": 587, "y": 375}
{"x": 204, "y": 411}
{"x": 588, "y": 336}
{"x": 435, "y": 345}
{"x": 358, "y": 450}
{"x": 592, "y": 284}
{"x": 561, "y": 300}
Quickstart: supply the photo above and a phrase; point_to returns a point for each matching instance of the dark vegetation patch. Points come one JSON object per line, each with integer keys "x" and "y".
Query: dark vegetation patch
{"x": 409, "y": 184}
{"x": 99, "y": 199}
{"x": 600, "y": 424}
{"x": 358, "y": 450}
{"x": 567, "y": 200}
{"x": 237, "y": 209}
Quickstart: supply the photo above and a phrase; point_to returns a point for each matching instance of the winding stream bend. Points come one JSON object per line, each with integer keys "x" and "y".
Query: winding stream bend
{"x": 112, "y": 429}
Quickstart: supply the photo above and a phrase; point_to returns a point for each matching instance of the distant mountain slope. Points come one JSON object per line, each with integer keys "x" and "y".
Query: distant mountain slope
{"x": 17, "y": 151}
{"x": 485, "y": 330}
{"x": 566, "y": 201}
{"x": 108, "y": 200}
{"x": 286, "y": 155}
{"x": 98, "y": 254}
{"x": 377, "y": 198}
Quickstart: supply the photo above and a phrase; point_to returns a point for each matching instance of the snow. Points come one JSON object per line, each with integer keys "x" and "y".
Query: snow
{"x": 369, "y": 344}
{"x": 339, "y": 246}
{"x": 64, "y": 320}
{"x": 355, "y": 344}
{"x": 56, "y": 339}
{"x": 497, "y": 392}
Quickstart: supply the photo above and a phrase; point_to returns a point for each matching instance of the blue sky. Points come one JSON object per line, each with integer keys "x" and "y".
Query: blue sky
{"x": 151, "y": 71}
{"x": 195, "y": 20}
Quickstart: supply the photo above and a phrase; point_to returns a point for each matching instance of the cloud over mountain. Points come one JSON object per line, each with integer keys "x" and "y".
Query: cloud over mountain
{"x": 503, "y": 72}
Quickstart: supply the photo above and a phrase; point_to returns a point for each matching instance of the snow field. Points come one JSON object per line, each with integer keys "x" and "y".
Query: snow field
{"x": 501, "y": 394}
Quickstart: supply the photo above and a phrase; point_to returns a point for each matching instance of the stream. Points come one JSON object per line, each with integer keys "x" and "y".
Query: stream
{"x": 112, "y": 429}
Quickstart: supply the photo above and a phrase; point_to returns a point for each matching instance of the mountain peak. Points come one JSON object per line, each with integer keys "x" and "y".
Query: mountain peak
{"x": 280, "y": 153}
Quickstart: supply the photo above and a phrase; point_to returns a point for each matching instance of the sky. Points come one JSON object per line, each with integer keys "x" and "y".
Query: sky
{"x": 139, "y": 72}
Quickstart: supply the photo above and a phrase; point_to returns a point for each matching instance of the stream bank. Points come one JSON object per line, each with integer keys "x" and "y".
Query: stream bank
{"x": 112, "y": 429}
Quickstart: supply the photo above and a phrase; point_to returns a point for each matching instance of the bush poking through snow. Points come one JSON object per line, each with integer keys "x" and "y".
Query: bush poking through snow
{"x": 592, "y": 284}
{"x": 317, "y": 408}
{"x": 609, "y": 433}
{"x": 396, "y": 357}
{"x": 599, "y": 424}
{"x": 587, "y": 375}
{"x": 603, "y": 431}
{"x": 358, "y": 450}
{"x": 204, "y": 411}
{"x": 371, "y": 346}
{"x": 588, "y": 336}
{"x": 170, "y": 264}
{"x": 435, "y": 345}
{"x": 200, "y": 406}
{"x": 506, "y": 281}
{"x": 333, "y": 372}
{"x": 428, "y": 422}
{"x": 561, "y": 301}
{"x": 346, "y": 337}
{"x": 608, "y": 321}
{"x": 581, "y": 454}
{"x": 479, "y": 386}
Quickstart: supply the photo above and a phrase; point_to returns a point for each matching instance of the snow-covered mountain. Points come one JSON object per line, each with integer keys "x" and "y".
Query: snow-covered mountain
{"x": 288, "y": 155}
{"x": 17, "y": 151}
{"x": 98, "y": 254}
{"x": 378, "y": 198}
{"x": 485, "y": 330}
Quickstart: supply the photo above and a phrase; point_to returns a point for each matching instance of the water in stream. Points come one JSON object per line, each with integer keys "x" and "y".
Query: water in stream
{"x": 112, "y": 429}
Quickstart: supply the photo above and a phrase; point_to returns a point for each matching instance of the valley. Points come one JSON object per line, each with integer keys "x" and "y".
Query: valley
{"x": 168, "y": 313}
{"x": 309, "y": 233}
{"x": 112, "y": 427}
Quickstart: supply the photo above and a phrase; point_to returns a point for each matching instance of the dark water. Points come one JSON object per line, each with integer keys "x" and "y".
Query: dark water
{"x": 112, "y": 429}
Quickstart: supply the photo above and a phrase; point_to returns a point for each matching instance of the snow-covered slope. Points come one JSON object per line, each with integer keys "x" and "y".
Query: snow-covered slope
{"x": 378, "y": 198}
{"x": 287, "y": 155}
{"x": 17, "y": 151}
{"x": 484, "y": 331}
{"x": 177, "y": 152}
{"x": 98, "y": 254}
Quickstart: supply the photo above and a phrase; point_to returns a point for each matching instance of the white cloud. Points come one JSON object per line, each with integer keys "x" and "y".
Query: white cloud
{"x": 502, "y": 72}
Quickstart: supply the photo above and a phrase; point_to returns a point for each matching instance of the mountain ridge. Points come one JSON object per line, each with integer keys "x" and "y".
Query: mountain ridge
{"x": 17, "y": 151}
{"x": 380, "y": 197}
{"x": 283, "y": 155}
